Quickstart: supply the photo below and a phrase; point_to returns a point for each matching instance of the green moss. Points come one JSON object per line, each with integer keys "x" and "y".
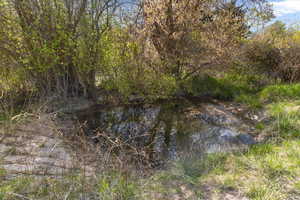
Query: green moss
{"x": 2, "y": 172}
{"x": 17, "y": 185}
{"x": 297, "y": 186}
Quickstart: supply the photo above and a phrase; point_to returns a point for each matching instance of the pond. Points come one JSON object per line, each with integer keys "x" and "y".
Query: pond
{"x": 167, "y": 130}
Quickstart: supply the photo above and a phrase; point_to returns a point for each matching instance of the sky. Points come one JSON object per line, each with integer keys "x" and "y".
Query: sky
{"x": 287, "y": 11}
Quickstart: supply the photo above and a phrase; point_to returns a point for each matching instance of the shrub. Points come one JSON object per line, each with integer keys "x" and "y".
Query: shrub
{"x": 230, "y": 86}
{"x": 261, "y": 57}
{"x": 289, "y": 68}
{"x": 15, "y": 92}
{"x": 207, "y": 86}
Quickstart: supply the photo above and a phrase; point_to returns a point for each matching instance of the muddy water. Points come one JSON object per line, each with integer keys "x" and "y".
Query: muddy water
{"x": 169, "y": 129}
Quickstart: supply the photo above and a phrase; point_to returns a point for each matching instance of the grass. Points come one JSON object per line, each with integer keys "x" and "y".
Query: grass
{"x": 287, "y": 115}
{"x": 280, "y": 92}
{"x": 265, "y": 172}
{"x": 269, "y": 171}
{"x": 257, "y": 98}
{"x": 111, "y": 186}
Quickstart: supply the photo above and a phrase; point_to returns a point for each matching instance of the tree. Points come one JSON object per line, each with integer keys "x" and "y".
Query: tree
{"x": 57, "y": 41}
{"x": 190, "y": 35}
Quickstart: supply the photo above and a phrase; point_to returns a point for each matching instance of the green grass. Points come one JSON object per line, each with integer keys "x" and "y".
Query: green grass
{"x": 265, "y": 173}
{"x": 113, "y": 186}
{"x": 246, "y": 89}
{"x": 116, "y": 186}
{"x": 287, "y": 118}
{"x": 283, "y": 92}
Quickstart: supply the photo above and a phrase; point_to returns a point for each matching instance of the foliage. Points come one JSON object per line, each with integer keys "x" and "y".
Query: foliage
{"x": 274, "y": 51}
{"x": 276, "y": 34}
{"x": 261, "y": 57}
{"x": 230, "y": 86}
{"x": 55, "y": 43}
{"x": 289, "y": 68}
{"x": 67, "y": 48}
{"x": 184, "y": 44}
{"x": 208, "y": 86}
{"x": 125, "y": 70}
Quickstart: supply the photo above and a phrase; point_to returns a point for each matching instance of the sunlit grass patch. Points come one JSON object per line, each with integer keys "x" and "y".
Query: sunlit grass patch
{"x": 266, "y": 172}
{"x": 287, "y": 118}
{"x": 281, "y": 92}
{"x": 249, "y": 99}
{"x": 116, "y": 186}
{"x": 105, "y": 187}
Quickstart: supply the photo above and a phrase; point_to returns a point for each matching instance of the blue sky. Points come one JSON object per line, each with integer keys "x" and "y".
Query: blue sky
{"x": 287, "y": 11}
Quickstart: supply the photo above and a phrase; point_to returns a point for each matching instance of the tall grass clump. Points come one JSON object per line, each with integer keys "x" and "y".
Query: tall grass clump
{"x": 287, "y": 119}
{"x": 280, "y": 92}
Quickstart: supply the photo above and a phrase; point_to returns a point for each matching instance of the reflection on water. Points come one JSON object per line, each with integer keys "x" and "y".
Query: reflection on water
{"x": 170, "y": 130}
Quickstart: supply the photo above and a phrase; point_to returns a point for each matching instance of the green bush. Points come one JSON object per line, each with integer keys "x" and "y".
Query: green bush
{"x": 208, "y": 86}
{"x": 232, "y": 86}
{"x": 147, "y": 84}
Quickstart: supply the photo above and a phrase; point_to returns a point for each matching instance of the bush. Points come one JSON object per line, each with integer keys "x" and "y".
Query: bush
{"x": 261, "y": 57}
{"x": 147, "y": 84}
{"x": 276, "y": 55}
{"x": 289, "y": 68}
{"x": 15, "y": 92}
{"x": 207, "y": 86}
{"x": 228, "y": 87}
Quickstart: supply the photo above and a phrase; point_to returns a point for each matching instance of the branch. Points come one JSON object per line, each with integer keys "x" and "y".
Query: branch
{"x": 197, "y": 69}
